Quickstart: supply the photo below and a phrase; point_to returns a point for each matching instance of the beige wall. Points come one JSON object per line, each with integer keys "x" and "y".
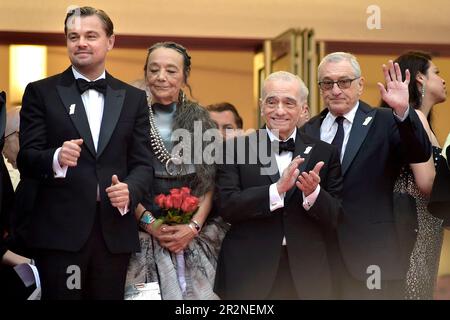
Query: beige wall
{"x": 444, "y": 267}
{"x": 4, "y": 68}
{"x": 401, "y": 20}
{"x": 225, "y": 76}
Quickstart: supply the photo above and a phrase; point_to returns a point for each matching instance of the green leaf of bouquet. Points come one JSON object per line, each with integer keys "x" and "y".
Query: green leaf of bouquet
{"x": 177, "y": 219}
{"x": 158, "y": 222}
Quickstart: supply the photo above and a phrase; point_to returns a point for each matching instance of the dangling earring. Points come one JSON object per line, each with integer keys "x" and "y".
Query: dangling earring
{"x": 423, "y": 93}
{"x": 182, "y": 98}
{"x": 149, "y": 96}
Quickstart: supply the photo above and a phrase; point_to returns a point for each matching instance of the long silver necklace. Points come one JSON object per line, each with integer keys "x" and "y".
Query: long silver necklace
{"x": 172, "y": 162}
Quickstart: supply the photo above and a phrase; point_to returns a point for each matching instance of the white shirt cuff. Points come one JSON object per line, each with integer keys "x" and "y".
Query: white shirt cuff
{"x": 309, "y": 201}
{"x": 276, "y": 201}
{"x": 123, "y": 211}
{"x": 404, "y": 116}
{"x": 59, "y": 172}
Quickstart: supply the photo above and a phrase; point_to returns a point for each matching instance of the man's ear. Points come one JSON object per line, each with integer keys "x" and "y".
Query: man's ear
{"x": 361, "y": 85}
{"x": 111, "y": 41}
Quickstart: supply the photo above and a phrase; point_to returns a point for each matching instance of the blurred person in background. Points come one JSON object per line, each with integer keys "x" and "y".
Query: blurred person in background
{"x": 227, "y": 119}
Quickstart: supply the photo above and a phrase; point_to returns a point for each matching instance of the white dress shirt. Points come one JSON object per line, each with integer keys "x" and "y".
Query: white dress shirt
{"x": 14, "y": 173}
{"x": 329, "y": 127}
{"x": 283, "y": 160}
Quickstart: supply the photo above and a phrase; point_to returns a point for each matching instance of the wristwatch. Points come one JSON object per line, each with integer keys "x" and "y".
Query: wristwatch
{"x": 196, "y": 225}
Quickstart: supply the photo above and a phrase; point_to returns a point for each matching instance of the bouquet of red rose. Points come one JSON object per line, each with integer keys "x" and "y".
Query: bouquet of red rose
{"x": 179, "y": 207}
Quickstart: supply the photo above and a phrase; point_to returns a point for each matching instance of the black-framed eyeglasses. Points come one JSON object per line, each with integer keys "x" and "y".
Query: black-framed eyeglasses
{"x": 341, "y": 83}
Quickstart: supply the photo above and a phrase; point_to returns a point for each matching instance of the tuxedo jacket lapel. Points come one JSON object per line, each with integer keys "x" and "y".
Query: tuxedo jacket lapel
{"x": 304, "y": 150}
{"x": 74, "y": 106}
{"x": 111, "y": 112}
{"x": 270, "y": 169}
{"x": 362, "y": 122}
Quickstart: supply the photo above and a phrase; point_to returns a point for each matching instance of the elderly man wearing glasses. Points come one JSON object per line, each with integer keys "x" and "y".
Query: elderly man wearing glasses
{"x": 276, "y": 247}
{"x": 373, "y": 143}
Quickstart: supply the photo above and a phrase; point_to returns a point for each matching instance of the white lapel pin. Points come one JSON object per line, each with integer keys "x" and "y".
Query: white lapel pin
{"x": 307, "y": 150}
{"x": 366, "y": 121}
{"x": 72, "y": 108}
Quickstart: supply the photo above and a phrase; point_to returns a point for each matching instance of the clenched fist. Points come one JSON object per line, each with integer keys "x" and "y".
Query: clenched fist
{"x": 70, "y": 152}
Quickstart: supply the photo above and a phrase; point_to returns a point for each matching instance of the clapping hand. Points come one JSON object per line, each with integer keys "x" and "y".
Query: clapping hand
{"x": 308, "y": 181}
{"x": 289, "y": 176}
{"x": 396, "y": 93}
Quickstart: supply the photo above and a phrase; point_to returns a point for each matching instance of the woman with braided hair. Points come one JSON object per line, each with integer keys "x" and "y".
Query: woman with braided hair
{"x": 167, "y": 69}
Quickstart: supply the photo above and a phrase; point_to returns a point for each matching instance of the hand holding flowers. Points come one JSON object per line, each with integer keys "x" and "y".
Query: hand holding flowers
{"x": 179, "y": 207}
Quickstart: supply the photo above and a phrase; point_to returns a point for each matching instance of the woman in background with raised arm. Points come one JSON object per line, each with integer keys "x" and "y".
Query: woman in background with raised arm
{"x": 426, "y": 89}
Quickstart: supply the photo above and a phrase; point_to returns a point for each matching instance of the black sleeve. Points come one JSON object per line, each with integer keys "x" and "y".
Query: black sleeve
{"x": 328, "y": 207}
{"x": 6, "y": 204}
{"x": 235, "y": 203}
{"x": 35, "y": 159}
{"x": 140, "y": 156}
{"x": 415, "y": 144}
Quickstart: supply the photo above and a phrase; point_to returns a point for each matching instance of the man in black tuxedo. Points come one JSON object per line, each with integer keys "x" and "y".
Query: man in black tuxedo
{"x": 86, "y": 143}
{"x": 373, "y": 144}
{"x": 280, "y": 208}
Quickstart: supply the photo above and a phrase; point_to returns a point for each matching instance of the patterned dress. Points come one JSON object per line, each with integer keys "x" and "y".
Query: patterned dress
{"x": 424, "y": 260}
{"x": 155, "y": 263}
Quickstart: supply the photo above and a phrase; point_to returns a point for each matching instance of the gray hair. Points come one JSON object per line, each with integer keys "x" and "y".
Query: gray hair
{"x": 287, "y": 76}
{"x": 338, "y": 57}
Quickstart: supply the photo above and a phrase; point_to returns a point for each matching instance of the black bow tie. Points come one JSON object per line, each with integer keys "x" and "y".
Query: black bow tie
{"x": 288, "y": 145}
{"x": 99, "y": 85}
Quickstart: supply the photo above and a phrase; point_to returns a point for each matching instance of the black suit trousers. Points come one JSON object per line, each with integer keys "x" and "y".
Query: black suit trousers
{"x": 346, "y": 287}
{"x": 92, "y": 273}
{"x": 283, "y": 286}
